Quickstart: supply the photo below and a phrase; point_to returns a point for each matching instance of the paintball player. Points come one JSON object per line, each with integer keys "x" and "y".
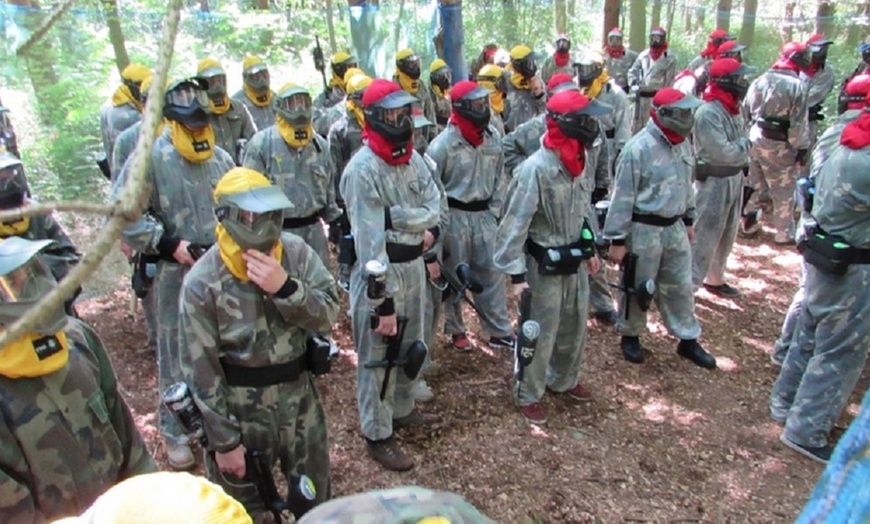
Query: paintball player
{"x": 526, "y": 97}
{"x": 297, "y": 160}
{"x": 124, "y": 109}
{"x": 548, "y": 210}
{"x": 470, "y": 164}
{"x": 407, "y": 75}
{"x": 440, "y": 80}
{"x": 731, "y": 49}
{"x": 617, "y": 58}
{"x": 492, "y": 77}
{"x": 335, "y": 92}
{"x": 776, "y": 104}
{"x": 178, "y": 226}
{"x": 722, "y": 153}
{"x": 651, "y": 216}
{"x": 256, "y": 93}
{"x": 863, "y": 67}
{"x": 66, "y": 434}
{"x": 710, "y": 52}
{"x": 693, "y": 80}
{"x": 247, "y": 311}
{"x": 392, "y": 201}
{"x": 829, "y": 348}
{"x": 820, "y": 80}
{"x": 654, "y": 69}
{"x": 559, "y": 61}
{"x": 231, "y": 122}
{"x": 8, "y": 139}
{"x": 855, "y": 94}
{"x": 486, "y": 57}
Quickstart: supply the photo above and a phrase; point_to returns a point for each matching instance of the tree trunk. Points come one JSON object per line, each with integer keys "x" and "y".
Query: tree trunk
{"x": 747, "y": 28}
{"x": 330, "y": 26}
{"x": 723, "y": 15}
{"x": 687, "y": 18}
{"x": 672, "y": 9}
{"x": 39, "y": 62}
{"x": 509, "y": 23}
{"x": 611, "y": 18}
{"x": 572, "y": 9}
{"x": 366, "y": 35}
{"x": 454, "y": 37}
{"x": 637, "y": 16}
{"x": 560, "y": 16}
{"x": 825, "y": 18}
{"x": 655, "y": 19}
{"x": 787, "y": 30}
{"x": 700, "y": 16}
{"x": 263, "y": 5}
{"x": 856, "y": 31}
{"x": 116, "y": 35}
{"x": 397, "y": 32}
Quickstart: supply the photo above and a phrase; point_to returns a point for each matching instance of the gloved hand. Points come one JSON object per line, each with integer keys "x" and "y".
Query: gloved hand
{"x": 801, "y": 157}
{"x": 335, "y": 229}
{"x": 598, "y": 194}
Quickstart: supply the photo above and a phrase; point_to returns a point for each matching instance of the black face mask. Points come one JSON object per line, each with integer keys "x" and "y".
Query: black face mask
{"x": 410, "y": 66}
{"x": 583, "y": 128}
{"x": 193, "y": 117}
{"x": 656, "y": 41}
{"x": 134, "y": 89}
{"x": 398, "y": 132}
{"x": 821, "y": 57}
{"x": 563, "y": 46}
{"x": 736, "y": 85}
{"x": 442, "y": 80}
{"x": 475, "y": 111}
{"x": 526, "y": 67}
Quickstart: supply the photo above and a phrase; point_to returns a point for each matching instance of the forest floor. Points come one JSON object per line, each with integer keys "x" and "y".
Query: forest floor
{"x": 664, "y": 441}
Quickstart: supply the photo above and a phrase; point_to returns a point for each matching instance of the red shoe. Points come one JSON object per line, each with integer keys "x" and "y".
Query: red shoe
{"x": 579, "y": 393}
{"x": 534, "y": 413}
{"x": 461, "y": 342}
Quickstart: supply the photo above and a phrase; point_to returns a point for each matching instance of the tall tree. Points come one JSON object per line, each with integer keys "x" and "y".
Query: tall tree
{"x": 672, "y": 9}
{"x": 856, "y": 32}
{"x": 637, "y": 16}
{"x": 510, "y": 23}
{"x": 560, "y": 16}
{"x": 825, "y": 18}
{"x": 611, "y": 18}
{"x": 572, "y": 9}
{"x": 39, "y": 56}
{"x": 454, "y": 37}
{"x": 747, "y": 28}
{"x": 366, "y": 35}
{"x": 655, "y": 19}
{"x": 116, "y": 34}
{"x": 330, "y": 26}
{"x": 723, "y": 14}
{"x": 788, "y": 24}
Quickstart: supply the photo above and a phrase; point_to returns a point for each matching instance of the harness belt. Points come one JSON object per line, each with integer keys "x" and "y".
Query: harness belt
{"x": 473, "y": 206}
{"x": 258, "y": 377}
{"x": 295, "y": 223}
{"x": 654, "y": 220}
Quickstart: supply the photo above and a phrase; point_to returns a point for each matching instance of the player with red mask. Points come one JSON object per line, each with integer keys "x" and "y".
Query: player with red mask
{"x": 654, "y": 69}
{"x": 617, "y": 58}
{"x": 559, "y": 61}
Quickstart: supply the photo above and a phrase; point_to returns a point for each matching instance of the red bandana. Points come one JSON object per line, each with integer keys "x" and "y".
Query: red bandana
{"x": 561, "y": 58}
{"x": 571, "y": 152}
{"x": 470, "y": 132}
{"x": 673, "y": 137}
{"x": 387, "y": 151}
{"x": 857, "y": 134}
{"x": 813, "y": 69}
{"x": 615, "y": 52}
{"x": 656, "y": 52}
{"x": 786, "y": 64}
{"x": 728, "y": 100}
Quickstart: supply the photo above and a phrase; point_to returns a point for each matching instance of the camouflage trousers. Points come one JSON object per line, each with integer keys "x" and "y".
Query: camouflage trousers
{"x": 773, "y": 173}
{"x": 786, "y": 336}
{"x": 166, "y": 286}
{"x": 717, "y": 205}
{"x": 560, "y": 304}
{"x": 315, "y": 237}
{"x": 376, "y": 416}
{"x": 826, "y": 356}
{"x": 149, "y": 309}
{"x": 600, "y": 298}
{"x": 431, "y": 314}
{"x": 287, "y": 423}
{"x": 665, "y": 256}
{"x": 470, "y": 238}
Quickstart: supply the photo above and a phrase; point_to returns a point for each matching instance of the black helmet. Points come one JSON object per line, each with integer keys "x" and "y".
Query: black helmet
{"x": 587, "y": 68}
{"x": 388, "y": 111}
{"x": 471, "y": 102}
{"x": 408, "y": 62}
{"x": 730, "y": 75}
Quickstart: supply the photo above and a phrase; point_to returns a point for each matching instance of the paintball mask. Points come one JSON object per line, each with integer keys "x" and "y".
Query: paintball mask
{"x": 472, "y": 105}
{"x": 391, "y": 117}
{"x": 614, "y": 38}
{"x": 441, "y": 75}
{"x": 408, "y": 63}
{"x": 730, "y": 75}
{"x": 24, "y": 281}
{"x": 250, "y": 209}
{"x": 587, "y": 70}
{"x": 580, "y": 124}
{"x": 563, "y": 44}
{"x": 217, "y": 84}
{"x": 186, "y": 102}
{"x": 492, "y": 76}
{"x": 657, "y": 38}
{"x": 257, "y": 78}
{"x": 341, "y": 62}
{"x": 294, "y": 106}
{"x": 731, "y": 49}
{"x": 797, "y": 53}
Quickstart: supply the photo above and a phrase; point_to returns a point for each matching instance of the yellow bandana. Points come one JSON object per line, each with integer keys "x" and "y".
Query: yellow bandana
{"x": 294, "y": 138}
{"x": 357, "y": 112}
{"x": 337, "y": 81}
{"x": 439, "y": 92}
{"x": 15, "y": 228}
{"x": 231, "y": 253}
{"x": 194, "y": 146}
{"x": 595, "y": 88}
{"x": 123, "y": 96}
{"x": 518, "y": 80}
{"x": 256, "y": 99}
{"x": 20, "y": 359}
{"x": 408, "y": 84}
{"x": 219, "y": 110}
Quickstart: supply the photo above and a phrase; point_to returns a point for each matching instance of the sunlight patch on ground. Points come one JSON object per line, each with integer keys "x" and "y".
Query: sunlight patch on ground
{"x": 351, "y": 356}
{"x": 770, "y": 430}
{"x": 538, "y": 431}
{"x": 773, "y": 465}
{"x": 719, "y": 302}
{"x": 727, "y": 364}
{"x": 734, "y": 487}
{"x": 765, "y": 346}
{"x": 659, "y": 409}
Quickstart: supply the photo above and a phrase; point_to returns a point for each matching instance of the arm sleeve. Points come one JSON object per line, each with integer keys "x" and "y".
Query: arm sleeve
{"x": 497, "y": 200}
{"x": 366, "y": 214}
{"x": 336, "y": 154}
{"x": 145, "y": 234}
{"x": 623, "y": 124}
{"x": 602, "y": 165}
{"x": 332, "y": 211}
{"x": 618, "y": 222}
{"x": 62, "y": 255}
{"x": 514, "y": 152}
{"x": 254, "y": 153}
{"x": 521, "y": 204}
{"x": 17, "y": 503}
{"x": 314, "y": 304}
{"x": 249, "y": 128}
{"x": 798, "y": 131}
{"x": 710, "y": 139}
{"x": 419, "y": 219}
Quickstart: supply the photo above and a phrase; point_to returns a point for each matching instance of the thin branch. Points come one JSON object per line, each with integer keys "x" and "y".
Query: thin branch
{"x": 129, "y": 204}
{"x": 46, "y": 208}
{"x": 37, "y": 35}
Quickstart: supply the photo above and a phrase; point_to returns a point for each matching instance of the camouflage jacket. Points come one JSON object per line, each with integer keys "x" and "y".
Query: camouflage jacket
{"x": 618, "y": 121}
{"x": 841, "y": 205}
{"x": 830, "y": 139}
{"x": 526, "y": 139}
{"x": 345, "y": 139}
{"x": 442, "y": 108}
{"x": 234, "y": 125}
{"x": 113, "y": 121}
{"x": 223, "y": 318}
{"x": 124, "y": 146}
{"x": 180, "y": 204}
{"x": 66, "y": 437}
{"x": 444, "y": 208}
{"x": 372, "y": 188}
{"x": 720, "y": 138}
{"x": 60, "y": 256}
{"x": 819, "y": 86}
{"x": 305, "y": 175}
{"x": 544, "y": 203}
{"x": 521, "y": 106}
{"x": 618, "y": 68}
{"x": 262, "y": 117}
{"x": 470, "y": 173}
{"x": 328, "y": 108}
{"x": 652, "y": 177}
{"x": 549, "y": 68}
{"x": 779, "y": 94}
{"x": 496, "y": 121}
{"x": 653, "y": 74}
{"x": 699, "y": 61}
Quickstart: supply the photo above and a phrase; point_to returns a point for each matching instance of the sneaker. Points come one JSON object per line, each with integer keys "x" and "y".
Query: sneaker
{"x": 416, "y": 418}
{"x": 691, "y": 350}
{"x": 722, "y": 290}
{"x": 422, "y": 393}
{"x": 608, "y": 318}
{"x": 631, "y": 349}
{"x": 750, "y": 224}
{"x": 579, "y": 393}
{"x": 388, "y": 454}
{"x": 461, "y": 342}
{"x": 506, "y": 342}
{"x": 534, "y": 413}
{"x": 821, "y": 454}
{"x": 344, "y": 277}
{"x": 179, "y": 456}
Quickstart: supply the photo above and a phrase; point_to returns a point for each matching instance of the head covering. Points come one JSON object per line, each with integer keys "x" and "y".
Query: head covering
{"x": 727, "y": 90}
{"x": 670, "y": 97}
{"x": 614, "y": 51}
{"x": 383, "y": 95}
{"x": 856, "y": 134}
{"x": 788, "y": 57}
{"x": 471, "y": 124}
{"x": 560, "y": 82}
{"x": 571, "y": 151}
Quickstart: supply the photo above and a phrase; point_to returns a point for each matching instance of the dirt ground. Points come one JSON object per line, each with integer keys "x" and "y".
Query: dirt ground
{"x": 662, "y": 442}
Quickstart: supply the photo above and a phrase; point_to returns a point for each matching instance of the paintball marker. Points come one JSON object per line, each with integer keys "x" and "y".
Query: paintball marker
{"x": 103, "y": 164}
{"x": 440, "y": 283}
{"x": 319, "y": 62}
{"x": 601, "y": 209}
{"x": 179, "y": 402}
{"x": 527, "y": 338}
{"x": 411, "y": 363}
{"x": 643, "y": 293}
{"x": 197, "y": 250}
{"x": 376, "y": 288}
{"x": 144, "y": 271}
{"x": 461, "y": 282}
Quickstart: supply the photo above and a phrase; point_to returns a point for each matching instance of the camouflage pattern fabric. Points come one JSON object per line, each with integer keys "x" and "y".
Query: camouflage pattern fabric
{"x": 344, "y": 139}
{"x": 434, "y": 296}
{"x": 307, "y": 177}
{"x": 819, "y": 86}
{"x": 66, "y": 437}
{"x": 234, "y": 125}
{"x": 180, "y": 206}
{"x": 473, "y": 174}
{"x": 549, "y": 68}
{"x": 618, "y": 68}
{"x": 496, "y": 121}
{"x": 396, "y": 506}
{"x": 328, "y": 109}
{"x": 542, "y": 204}
{"x": 262, "y": 116}
{"x": 772, "y": 170}
{"x": 699, "y": 61}
{"x": 225, "y": 319}
{"x": 654, "y": 177}
{"x": 371, "y": 186}
{"x": 649, "y": 74}
{"x": 720, "y": 140}
{"x": 619, "y": 119}
{"x": 521, "y": 106}
{"x": 113, "y": 121}
{"x": 442, "y": 108}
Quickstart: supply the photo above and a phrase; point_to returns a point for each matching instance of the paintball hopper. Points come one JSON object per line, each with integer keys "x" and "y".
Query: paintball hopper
{"x": 466, "y": 277}
{"x": 601, "y": 209}
{"x": 527, "y": 343}
{"x": 644, "y": 294}
{"x": 414, "y": 358}
{"x": 179, "y": 401}
{"x": 376, "y": 288}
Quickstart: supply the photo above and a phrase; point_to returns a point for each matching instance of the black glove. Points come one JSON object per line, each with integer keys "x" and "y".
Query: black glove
{"x": 598, "y": 194}
{"x": 801, "y": 157}
{"x": 337, "y": 228}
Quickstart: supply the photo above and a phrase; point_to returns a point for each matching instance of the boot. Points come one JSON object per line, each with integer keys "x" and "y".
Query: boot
{"x": 415, "y": 418}
{"x": 693, "y": 351}
{"x": 388, "y": 454}
{"x": 179, "y": 456}
{"x": 631, "y": 349}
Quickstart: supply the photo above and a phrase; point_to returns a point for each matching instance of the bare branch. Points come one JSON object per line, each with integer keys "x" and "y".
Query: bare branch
{"x": 129, "y": 204}
{"x": 46, "y": 208}
{"x": 37, "y": 35}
